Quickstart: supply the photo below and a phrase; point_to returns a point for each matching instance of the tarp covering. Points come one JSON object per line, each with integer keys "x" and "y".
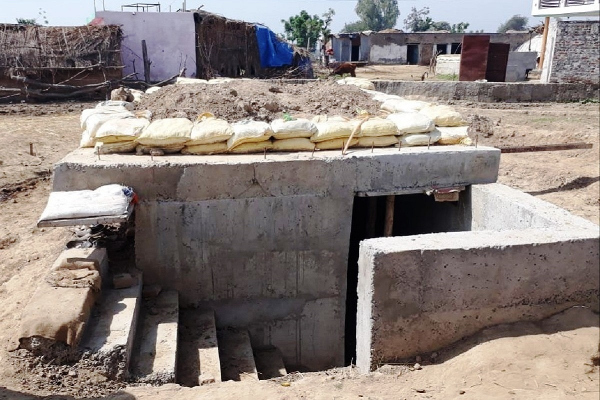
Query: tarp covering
{"x": 273, "y": 52}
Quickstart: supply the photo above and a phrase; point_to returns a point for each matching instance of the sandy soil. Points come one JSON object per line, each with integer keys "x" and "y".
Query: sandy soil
{"x": 546, "y": 360}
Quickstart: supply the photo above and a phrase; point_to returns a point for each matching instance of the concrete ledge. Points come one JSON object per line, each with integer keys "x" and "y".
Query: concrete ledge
{"x": 418, "y": 294}
{"x": 492, "y": 92}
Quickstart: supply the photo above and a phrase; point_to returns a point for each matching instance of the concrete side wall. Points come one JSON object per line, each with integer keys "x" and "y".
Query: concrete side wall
{"x": 491, "y": 92}
{"x": 448, "y": 65}
{"x": 390, "y": 53}
{"x": 265, "y": 241}
{"x": 170, "y": 40}
{"x": 576, "y": 52}
{"x": 518, "y": 65}
{"x": 418, "y": 294}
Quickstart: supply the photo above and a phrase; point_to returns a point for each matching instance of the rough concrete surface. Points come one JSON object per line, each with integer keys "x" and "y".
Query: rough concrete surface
{"x": 237, "y": 359}
{"x": 264, "y": 242}
{"x": 421, "y": 293}
{"x": 109, "y": 339}
{"x": 155, "y": 356}
{"x": 491, "y": 92}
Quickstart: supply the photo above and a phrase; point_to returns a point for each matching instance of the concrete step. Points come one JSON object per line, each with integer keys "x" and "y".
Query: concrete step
{"x": 198, "y": 362}
{"x": 269, "y": 363}
{"x": 109, "y": 339}
{"x": 237, "y": 359}
{"x": 155, "y": 354}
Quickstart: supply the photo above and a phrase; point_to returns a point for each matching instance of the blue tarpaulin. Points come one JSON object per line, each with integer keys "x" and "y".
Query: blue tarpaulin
{"x": 273, "y": 52}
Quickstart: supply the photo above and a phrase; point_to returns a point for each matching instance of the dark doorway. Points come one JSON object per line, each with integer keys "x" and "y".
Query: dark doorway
{"x": 414, "y": 214}
{"x": 456, "y": 48}
{"x": 441, "y": 49}
{"x": 355, "y": 53}
{"x": 412, "y": 54}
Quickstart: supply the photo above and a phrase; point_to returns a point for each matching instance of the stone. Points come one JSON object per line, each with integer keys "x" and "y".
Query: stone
{"x": 123, "y": 281}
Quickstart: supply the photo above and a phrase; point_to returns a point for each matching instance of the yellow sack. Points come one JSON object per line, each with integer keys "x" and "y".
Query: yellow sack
{"x": 209, "y": 129}
{"x": 333, "y": 129}
{"x": 378, "y": 127}
{"x": 421, "y": 139}
{"x": 203, "y": 149}
{"x": 402, "y": 105}
{"x": 377, "y": 141}
{"x": 360, "y": 82}
{"x": 252, "y": 147}
{"x": 454, "y": 135}
{"x": 297, "y": 128}
{"x": 335, "y": 144}
{"x": 408, "y": 123}
{"x": 293, "y": 144}
{"x": 166, "y": 132}
{"x": 325, "y": 118}
{"x": 117, "y": 147}
{"x": 94, "y": 121}
{"x": 121, "y": 130}
{"x": 443, "y": 115}
{"x": 248, "y": 132}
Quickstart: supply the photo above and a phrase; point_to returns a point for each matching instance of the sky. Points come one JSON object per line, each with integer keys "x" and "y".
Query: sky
{"x": 481, "y": 14}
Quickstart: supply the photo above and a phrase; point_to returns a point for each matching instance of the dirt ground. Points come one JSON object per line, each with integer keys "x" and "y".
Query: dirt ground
{"x": 546, "y": 360}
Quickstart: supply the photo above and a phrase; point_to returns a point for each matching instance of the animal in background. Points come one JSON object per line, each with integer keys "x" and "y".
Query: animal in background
{"x": 344, "y": 68}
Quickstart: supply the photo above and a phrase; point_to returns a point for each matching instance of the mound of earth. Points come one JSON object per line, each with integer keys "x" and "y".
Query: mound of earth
{"x": 258, "y": 100}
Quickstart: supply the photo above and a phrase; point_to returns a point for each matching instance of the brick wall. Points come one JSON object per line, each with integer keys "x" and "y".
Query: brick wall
{"x": 576, "y": 55}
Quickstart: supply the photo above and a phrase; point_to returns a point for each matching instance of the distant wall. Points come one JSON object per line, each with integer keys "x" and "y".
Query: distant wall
{"x": 386, "y": 48}
{"x": 170, "y": 40}
{"x": 576, "y": 51}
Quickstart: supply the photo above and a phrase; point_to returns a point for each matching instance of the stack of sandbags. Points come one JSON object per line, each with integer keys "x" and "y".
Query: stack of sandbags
{"x": 119, "y": 135}
{"x": 414, "y": 129}
{"x": 209, "y": 135}
{"x": 250, "y": 137}
{"x": 293, "y": 134}
{"x": 333, "y": 132}
{"x": 359, "y": 82}
{"x": 168, "y": 135}
{"x": 453, "y": 128}
{"x": 377, "y": 132}
{"x": 92, "y": 119}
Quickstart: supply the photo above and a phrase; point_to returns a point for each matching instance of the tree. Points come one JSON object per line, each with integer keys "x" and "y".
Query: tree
{"x": 375, "y": 15}
{"x": 357, "y": 26}
{"x": 327, "y": 18}
{"x": 27, "y": 21}
{"x": 514, "y": 23}
{"x": 461, "y": 27}
{"x": 419, "y": 21}
{"x": 303, "y": 29}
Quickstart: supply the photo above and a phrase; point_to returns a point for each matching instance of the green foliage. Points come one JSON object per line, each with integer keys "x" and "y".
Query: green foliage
{"x": 419, "y": 21}
{"x": 377, "y": 15}
{"x": 27, "y": 21}
{"x": 514, "y": 23}
{"x": 304, "y": 30}
{"x": 357, "y": 26}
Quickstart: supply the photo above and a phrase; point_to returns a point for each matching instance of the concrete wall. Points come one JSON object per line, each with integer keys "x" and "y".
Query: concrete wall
{"x": 575, "y": 52}
{"x": 170, "y": 40}
{"x": 265, "y": 241}
{"x": 418, "y": 294}
{"x": 448, "y": 65}
{"x": 385, "y": 46}
{"x": 518, "y": 65}
{"x": 491, "y": 92}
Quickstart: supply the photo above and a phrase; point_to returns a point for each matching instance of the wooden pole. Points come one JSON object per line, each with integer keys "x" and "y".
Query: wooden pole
{"x": 544, "y": 41}
{"x": 389, "y": 216}
{"x": 545, "y": 147}
{"x": 371, "y": 217}
{"x": 146, "y": 62}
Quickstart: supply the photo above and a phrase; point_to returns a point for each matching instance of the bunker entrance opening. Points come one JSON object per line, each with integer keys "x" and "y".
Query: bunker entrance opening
{"x": 395, "y": 215}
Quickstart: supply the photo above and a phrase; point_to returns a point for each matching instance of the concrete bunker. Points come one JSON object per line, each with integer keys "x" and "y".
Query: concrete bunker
{"x": 271, "y": 243}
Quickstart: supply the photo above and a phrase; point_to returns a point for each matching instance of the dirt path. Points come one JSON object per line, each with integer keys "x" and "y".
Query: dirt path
{"x": 547, "y": 360}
